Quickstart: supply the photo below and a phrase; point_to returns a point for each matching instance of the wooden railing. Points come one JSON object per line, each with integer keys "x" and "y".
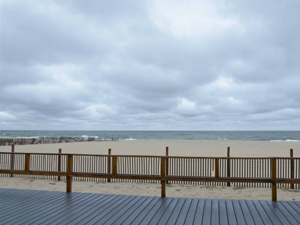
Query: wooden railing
{"x": 260, "y": 172}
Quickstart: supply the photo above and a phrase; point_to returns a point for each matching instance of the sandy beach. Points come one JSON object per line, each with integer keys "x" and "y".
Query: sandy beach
{"x": 176, "y": 148}
{"x": 144, "y": 189}
{"x": 157, "y": 147}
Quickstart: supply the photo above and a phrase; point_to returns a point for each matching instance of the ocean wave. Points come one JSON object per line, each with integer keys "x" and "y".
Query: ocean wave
{"x": 291, "y": 140}
{"x": 130, "y": 139}
{"x": 87, "y": 137}
{"x": 287, "y": 140}
{"x": 33, "y": 137}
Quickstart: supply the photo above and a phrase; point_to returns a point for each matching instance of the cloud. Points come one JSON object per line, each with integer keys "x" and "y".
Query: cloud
{"x": 149, "y": 65}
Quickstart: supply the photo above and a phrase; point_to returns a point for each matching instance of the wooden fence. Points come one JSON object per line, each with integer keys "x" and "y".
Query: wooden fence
{"x": 237, "y": 171}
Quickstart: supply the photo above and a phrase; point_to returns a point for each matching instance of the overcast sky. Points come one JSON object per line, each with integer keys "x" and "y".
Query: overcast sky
{"x": 150, "y": 65}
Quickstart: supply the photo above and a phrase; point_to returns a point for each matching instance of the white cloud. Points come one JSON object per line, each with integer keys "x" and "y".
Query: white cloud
{"x": 193, "y": 18}
{"x": 147, "y": 65}
{"x": 5, "y": 116}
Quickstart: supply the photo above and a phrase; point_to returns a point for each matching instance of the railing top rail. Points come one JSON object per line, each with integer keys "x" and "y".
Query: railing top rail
{"x": 38, "y": 153}
{"x": 149, "y": 156}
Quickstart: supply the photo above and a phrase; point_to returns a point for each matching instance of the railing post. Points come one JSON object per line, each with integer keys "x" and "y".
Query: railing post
{"x": 167, "y": 163}
{"x": 69, "y": 170}
{"x": 59, "y": 163}
{"x": 228, "y": 165}
{"x": 109, "y": 163}
{"x": 292, "y": 166}
{"x": 273, "y": 174}
{"x": 12, "y": 159}
{"x": 216, "y": 167}
{"x": 114, "y": 165}
{"x": 27, "y": 162}
{"x": 163, "y": 175}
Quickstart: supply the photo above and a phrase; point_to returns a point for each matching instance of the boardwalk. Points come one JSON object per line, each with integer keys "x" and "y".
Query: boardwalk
{"x": 45, "y": 207}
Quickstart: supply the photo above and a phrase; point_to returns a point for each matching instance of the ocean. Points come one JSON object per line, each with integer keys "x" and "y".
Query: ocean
{"x": 157, "y": 135}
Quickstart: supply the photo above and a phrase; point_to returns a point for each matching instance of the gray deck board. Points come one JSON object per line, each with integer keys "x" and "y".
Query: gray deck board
{"x": 184, "y": 212}
{"x": 192, "y": 212}
{"x": 46, "y": 207}
{"x": 295, "y": 214}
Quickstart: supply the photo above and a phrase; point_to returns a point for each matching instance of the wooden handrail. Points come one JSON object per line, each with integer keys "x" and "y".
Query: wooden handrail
{"x": 163, "y": 177}
{"x": 150, "y": 156}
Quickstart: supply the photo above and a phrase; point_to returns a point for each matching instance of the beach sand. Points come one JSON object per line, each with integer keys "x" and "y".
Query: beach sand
{"x": 145, "y": 189}
{"x": 176, "y": 148}
{"x": 157, "y": 147}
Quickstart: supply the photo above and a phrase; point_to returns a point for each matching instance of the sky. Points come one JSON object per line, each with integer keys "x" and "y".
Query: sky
{"x": 150, "y": 65}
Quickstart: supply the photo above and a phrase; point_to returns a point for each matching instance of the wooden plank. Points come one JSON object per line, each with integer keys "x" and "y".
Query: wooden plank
{"x": 217, "y": 168}
{"x": 254, "y": 213}
{"x": 246, "y": 212}
{"x": 29, "y": 211}
{"x": 238, "y": 212}
{"x": 10, "y": 200}
{"x": 168, "y": 212}
{"x": 296, "y": 203}
{"x": 154, "y": 217}
{"x": 273, "y": 175}
{"x": 199, "y": 212}
{"x": 117, "y": 212}
{"x": 22, "y": 201}
{"x": 174, "y": 216}
{"x": 44, "y": 207}
{"x": 283, "y": 214}
{"x": 18, "y": 204}
{"x": 96, "y": 213}
{"x": 155, "y": 177}
{"x": 207, "y": 212}
{"x": 215, "y": 214}
{"x": 109, "y": 163}
{"x": 223, "y": 212}
{"x": 272, "y": 216}
{"x": 59, "y": 163}
{"x": 163, "y": 174}
{"x": 52, "y": 210}
{"x": 92, "y": 210}
{"x": 131, "y": 214}
{"x": 114, "y": 165}
{"x": 12, "y": 159}
{"x": 262, "y": 213}
{"x": 292, "y": 211}
{"x": 184, "y": 212}
{"x": 230, "y": 212}
{"x": 228, "y": 165}
{"x": 27, "y": 162}
{"x": 141, "y": 215}
{"x": 292, "y": 167}
{"x": 277, "y": 212}
{"x": 192, "y": 212}
{"x": 160, "y": 205}
{"x": 71, "y": 213}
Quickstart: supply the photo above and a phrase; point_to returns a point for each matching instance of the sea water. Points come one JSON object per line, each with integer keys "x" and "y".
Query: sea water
{"x": 157, "y": 135}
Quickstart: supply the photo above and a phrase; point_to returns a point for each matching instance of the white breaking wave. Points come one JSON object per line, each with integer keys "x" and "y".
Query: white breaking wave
{"x": 288, "y": 140}
{"x": 85, "y": 137}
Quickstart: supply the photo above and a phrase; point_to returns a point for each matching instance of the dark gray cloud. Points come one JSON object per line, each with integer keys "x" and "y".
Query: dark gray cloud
{"x": 150, "y": 65}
